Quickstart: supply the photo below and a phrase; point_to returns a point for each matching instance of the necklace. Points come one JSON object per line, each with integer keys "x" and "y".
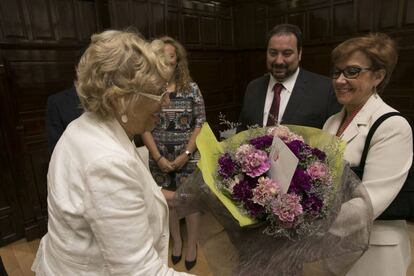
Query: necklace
{"x": 347, "y": 120}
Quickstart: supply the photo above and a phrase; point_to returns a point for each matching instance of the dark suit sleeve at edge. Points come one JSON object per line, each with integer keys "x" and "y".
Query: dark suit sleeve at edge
{"x": 242, "y": 122}
{"x": 54, "y": 125}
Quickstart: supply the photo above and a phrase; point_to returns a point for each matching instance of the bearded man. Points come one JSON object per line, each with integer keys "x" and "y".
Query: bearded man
{"x": 288, "y": 94}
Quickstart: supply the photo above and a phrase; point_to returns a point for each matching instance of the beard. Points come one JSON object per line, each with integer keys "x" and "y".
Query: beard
{"x": 281, "y": 71}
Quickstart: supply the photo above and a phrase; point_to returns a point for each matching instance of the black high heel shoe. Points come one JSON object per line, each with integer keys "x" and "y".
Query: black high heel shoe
{"x": 176, "y": 259}
{"x": 190, "y": 264}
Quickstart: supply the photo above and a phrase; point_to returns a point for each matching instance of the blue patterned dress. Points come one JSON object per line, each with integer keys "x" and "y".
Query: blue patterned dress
{"x": 177, "y": 122}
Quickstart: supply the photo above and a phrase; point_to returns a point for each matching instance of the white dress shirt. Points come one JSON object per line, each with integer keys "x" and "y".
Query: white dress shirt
{"x": 285, "y": 94}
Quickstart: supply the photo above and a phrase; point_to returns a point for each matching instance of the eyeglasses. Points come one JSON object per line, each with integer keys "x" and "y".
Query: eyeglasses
{"x": 350, "y": 72}
{"x": 158, "y": 98}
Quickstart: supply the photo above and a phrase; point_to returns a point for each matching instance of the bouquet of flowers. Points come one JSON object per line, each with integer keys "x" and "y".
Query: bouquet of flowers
{"x": 242, "y": 175}
{"x": 277, "y": 220}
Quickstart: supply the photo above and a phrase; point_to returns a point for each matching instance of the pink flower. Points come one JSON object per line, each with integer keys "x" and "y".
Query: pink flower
{"x": 253, "y": 162}
{"x": 284, "y": 133}
{"x": 318, "y": 170}
{"x": 265, "y": 190}
{"x": 287, "y": 207}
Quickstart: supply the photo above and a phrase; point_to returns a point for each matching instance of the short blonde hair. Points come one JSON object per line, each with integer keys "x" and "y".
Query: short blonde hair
{"x": 379, "y": 48}
{"x": 117, "y": 65}
{"x": 182, "y": 73}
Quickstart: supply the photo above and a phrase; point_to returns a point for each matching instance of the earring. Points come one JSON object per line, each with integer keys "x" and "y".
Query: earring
{"x": 374, "y": 90}
{"x": 124, "y": 118}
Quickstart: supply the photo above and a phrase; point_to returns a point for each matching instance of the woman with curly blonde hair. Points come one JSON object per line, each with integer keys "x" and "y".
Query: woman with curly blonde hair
{"x": 172, "y": 145}
{"x": 107, "y": 216}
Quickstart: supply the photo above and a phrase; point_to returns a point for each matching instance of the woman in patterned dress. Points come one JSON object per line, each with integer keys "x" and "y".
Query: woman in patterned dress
{"x": 171, "y": 144}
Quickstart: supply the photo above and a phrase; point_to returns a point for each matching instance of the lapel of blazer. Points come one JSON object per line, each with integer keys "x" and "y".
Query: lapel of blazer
{"x": 362, "y": 118}
{"x": 296, "y": 99}
{"x": 155, "y": 188}
{"x": 118, "y": 133}
{"x": 335, "y": 122}
{"x": 351, "y": 131}
{"x": 261, "y": 99}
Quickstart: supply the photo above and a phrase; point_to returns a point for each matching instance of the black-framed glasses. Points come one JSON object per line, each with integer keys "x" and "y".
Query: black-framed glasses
{"x": 350, "y": 72}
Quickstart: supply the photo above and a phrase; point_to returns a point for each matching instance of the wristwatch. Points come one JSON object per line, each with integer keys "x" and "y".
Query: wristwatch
{"x": 188, "y": 153}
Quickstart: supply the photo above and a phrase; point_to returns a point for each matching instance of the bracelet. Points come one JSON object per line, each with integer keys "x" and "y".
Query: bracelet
{"x": 158, "y": 159}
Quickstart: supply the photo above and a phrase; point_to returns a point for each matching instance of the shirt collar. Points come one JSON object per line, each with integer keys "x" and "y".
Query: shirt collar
{"x": 288, "y": 83}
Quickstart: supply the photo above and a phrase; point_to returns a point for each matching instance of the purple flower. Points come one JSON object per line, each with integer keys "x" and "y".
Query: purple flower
{"x": 255, "y": 209}
{"x": 252, "y": 182}
{"x": 301, "y": 182}
{"x": 319, "y": 154}
{"x": 226, "y": 166}
{"x": 296, "y": 146}
{"x": 312, "y": 204}
{"x": 252, "y": 161}
{"x": 242, "y": 191}
{"x": 262, "y": 142}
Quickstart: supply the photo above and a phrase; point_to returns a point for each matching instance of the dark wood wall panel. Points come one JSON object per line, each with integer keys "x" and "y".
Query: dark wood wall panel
{"x": 139, "y": 15}
{"x": 388, "y": 14}
{"x": 158, "y": 18}
{"x": 13, "y": 20}
{"x": 41, "y": 20}
{"x": 173, "y": 23}
{"x": 86, "y": 18}
{"x": 209, "y": 31}
{"x": 39, "y": 46}
{"x": 319, "y": 24}
{"x": 11, "y": 220}
{"x": 298, "y": 19}
{"x": 365, "y": 15}
{"x": 226, "y": 33}
{"x": 66, "y": 21}
{"x": 343, "y": 19}
{"x": 408, "y": 14}
{"x": 192, "y": 34}
{"x": 260, "y": 24}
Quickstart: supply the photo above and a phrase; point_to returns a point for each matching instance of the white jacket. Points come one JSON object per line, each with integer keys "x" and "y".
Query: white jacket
{"x": 107, "y": 216}
{"x": 387, "y": 164}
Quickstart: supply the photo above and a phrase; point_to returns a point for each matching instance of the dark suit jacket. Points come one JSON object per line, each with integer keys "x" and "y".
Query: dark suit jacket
{"x": 62, "y": 108}
{"x": 312, "y": 101}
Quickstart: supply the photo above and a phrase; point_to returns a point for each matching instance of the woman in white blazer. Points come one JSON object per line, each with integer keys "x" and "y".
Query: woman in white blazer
{"x": 362, "y": 68}
{"x": 107, "y": 216}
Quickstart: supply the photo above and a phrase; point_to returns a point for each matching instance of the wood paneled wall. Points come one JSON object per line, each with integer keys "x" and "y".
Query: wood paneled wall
{"x": 40, "y": 42}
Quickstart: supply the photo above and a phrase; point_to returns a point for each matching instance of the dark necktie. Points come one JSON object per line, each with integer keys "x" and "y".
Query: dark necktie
{"x": 274, "y": 109}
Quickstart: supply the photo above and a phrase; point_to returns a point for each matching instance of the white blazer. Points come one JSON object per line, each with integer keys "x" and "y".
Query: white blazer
{"x": 387, "y": 164}
{"x": 107, "y": 216}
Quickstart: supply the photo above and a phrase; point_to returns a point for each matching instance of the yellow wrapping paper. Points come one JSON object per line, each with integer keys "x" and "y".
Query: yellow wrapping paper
{"x": 211, "y": 150}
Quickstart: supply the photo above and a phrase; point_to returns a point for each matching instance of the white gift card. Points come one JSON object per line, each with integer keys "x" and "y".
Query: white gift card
{"x": 283, "y": 163}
